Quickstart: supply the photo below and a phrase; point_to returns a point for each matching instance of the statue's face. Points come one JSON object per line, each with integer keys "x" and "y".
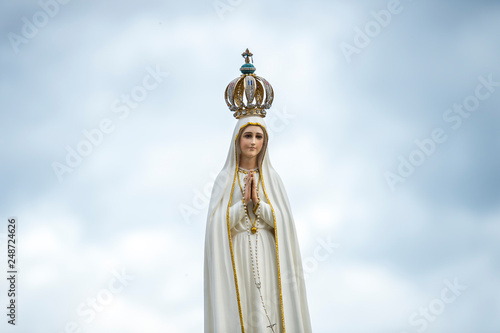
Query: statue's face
{"x": 251, "y": 141}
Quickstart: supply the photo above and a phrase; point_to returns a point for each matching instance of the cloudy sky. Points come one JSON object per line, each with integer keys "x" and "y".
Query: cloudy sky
{"x": 384, "y": 128}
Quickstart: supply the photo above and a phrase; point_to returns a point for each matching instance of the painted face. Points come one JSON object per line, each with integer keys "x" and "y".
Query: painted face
{"x": 251, "y": 141}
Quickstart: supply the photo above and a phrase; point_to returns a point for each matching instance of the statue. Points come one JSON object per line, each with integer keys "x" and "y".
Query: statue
{"x": 253, "y": 269}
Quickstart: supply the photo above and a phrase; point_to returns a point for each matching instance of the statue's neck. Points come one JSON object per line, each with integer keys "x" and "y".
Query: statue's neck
{"x": 248, "y": 164}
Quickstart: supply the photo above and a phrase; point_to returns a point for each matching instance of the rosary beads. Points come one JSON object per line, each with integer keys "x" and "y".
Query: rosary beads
{"x": 255, "y": 263}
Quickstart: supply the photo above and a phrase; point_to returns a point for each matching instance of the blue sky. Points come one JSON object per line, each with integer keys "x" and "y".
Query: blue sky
{"x": 145, "y": 80}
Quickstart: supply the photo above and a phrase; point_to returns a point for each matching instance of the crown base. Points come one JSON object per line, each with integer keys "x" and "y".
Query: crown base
{"x": 254, "y": 112}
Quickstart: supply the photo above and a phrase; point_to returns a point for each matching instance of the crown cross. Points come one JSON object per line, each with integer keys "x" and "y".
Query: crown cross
{"x": 247, "y": 54}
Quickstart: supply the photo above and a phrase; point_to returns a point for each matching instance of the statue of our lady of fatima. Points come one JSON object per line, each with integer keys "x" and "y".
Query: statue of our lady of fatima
{"x": 253, "y": 269}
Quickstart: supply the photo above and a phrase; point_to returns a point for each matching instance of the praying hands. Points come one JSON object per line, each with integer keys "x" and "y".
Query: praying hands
{"x": 251, "y": 189}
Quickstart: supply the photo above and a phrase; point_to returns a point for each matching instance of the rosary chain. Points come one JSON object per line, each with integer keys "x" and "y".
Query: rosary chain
{"x": 256, "y": 277}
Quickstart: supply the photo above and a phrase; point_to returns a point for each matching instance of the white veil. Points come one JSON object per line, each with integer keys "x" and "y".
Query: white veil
{"x": 222, "y": 300}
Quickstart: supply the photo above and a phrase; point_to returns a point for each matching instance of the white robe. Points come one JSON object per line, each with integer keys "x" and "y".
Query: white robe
{"x": 232, "y": 301}
{"x": 266, "y": 258}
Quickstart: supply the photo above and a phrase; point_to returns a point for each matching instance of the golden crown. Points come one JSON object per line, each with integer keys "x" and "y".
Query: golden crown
{"x": 249, "y": 94}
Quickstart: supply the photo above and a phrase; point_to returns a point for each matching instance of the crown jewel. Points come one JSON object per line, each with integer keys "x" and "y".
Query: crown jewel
{"x": 249, "y": 94}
